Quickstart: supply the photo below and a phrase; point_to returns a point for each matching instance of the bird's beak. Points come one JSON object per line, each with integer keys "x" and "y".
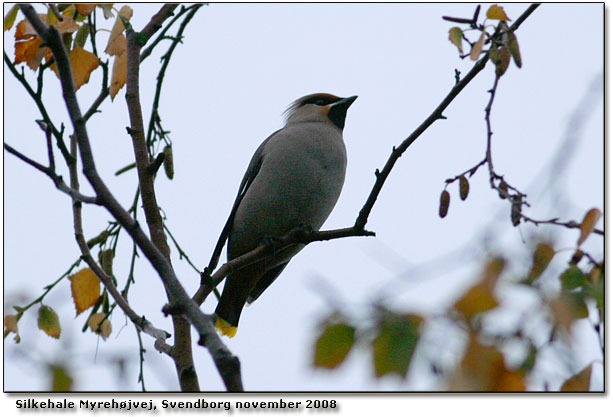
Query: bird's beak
{"x": 338, "y": 111}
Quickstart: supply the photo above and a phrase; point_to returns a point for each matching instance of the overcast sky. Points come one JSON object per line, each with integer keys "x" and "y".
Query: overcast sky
{"x": 237, "y": 70}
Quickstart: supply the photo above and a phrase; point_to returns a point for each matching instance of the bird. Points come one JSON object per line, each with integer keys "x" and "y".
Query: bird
{"x": 294, "y": 179}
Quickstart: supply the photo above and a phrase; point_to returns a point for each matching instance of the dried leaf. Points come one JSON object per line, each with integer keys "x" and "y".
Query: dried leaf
{"x": 85, "y": 9}
{"x": 444, "y": 204}
{"x": 10, "y": 17}
{"x": 85, "y": 288}
{"x": 333, "y": 345}
{"x": 503, "y": 189}
{"x": 455, "y": 36}
{"x": 464, "y": 187}
{"x": 477, "y": 47}
{"x": 61, "y": 381}
{"x": 25, "y": 30}
{"x": 169, "y": 165}
{"x": 395, "y": 343}
{"x": 100, "y": 325}
{"x": 540, "y": 260}
{"x": 49, "y": 322}
{"x": 496, "y": 12}
{"x": 588, "y": 224}
{"x": 68, "y": 25}
{"x": 514, "y": 48}
{"x": 579, "y": 382}
{"x": 119, "y": 74}
{"x": 116, "y": 46}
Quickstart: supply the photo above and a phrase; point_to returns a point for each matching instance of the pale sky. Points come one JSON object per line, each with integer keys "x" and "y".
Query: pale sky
{"x": 239, "y": 67}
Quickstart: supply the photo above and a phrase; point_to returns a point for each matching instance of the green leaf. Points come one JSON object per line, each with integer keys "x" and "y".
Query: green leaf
{"x": 49, "y": 322}
{"x": 395, "y": 344}
{"x": 81, "y": 36}
{"x": 573, "y": 278}
{"x": 333, "y": 345}
{"x": 9, "y": 19}
{"x": 514, "y": 49}
{"x": 455, "y": 36}
{"x": 61, "y": 381}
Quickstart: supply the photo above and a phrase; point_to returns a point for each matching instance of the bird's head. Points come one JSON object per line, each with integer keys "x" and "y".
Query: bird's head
{"x": 319, "y": 107}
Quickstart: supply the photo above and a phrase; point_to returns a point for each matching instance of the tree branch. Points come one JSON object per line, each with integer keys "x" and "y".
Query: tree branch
{"x": 434, "y": 116}
{"x": 203, "y": 325}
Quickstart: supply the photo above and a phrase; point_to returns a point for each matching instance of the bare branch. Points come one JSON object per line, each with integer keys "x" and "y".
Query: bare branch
{"x": 434, "y": 116}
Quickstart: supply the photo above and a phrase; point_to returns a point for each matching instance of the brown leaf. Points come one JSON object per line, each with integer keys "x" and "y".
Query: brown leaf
{"x": 85, "y": 9}
{"x": 579, "y": 382}
{"x": 10, "y": 323}
{"x": 119, "y": 74}
{"x": 567, "y": 308}
{"x": 455, "y": 36}
{"x": 114, "y": 46}
{"x": 501, "y": 58}
{"x": 477, "y": 47}
{"x": 85, "y": 288}
{"x": 588, "y": 224}
{"x": 497, "y": 12}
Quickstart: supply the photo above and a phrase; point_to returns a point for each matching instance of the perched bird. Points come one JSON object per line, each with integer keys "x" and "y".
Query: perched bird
{"x": 294, "y": 179}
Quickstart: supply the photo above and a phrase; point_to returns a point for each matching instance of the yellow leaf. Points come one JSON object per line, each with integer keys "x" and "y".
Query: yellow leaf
{"x": 118, "y": 76}
{"x": 455, "y": 36}
{"x": 477, "y": 47}
{"x": 497, "y": 12}
{"x": 578, "y": 382}
{"x": 10, "y": 17}
{"x": 99, "y": 325}
{"x": 83, "y": 63}
{"x": 49, "y": 322}
{"x": 85, "y": 9}
{"x": 85, "y": 288}
{"x": 117, "y": 33}
{"x": 588, "y": 224}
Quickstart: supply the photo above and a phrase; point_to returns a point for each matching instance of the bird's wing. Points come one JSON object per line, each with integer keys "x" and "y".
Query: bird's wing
{"x": 250, "y": 174}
